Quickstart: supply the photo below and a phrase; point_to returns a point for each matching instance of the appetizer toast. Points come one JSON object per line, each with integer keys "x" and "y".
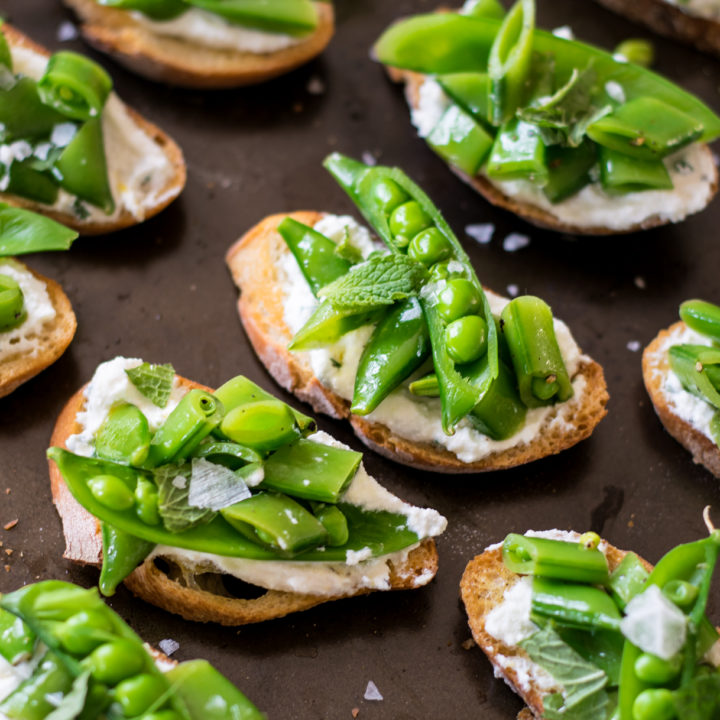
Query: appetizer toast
{"x": 254, "y": 261}
{"x": 195, "y": 588}
{"x": 127, "y": 136}
{"x": 178, "y": 61}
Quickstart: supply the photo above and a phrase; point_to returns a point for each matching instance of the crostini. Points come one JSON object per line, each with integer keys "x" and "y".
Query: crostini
{"x": 206, "y": 45}
{"x": 680, "y": 371}
{"x": 580, "y": 629}
{"x": 65, "y": 653}
{"x": 562, "y": 134}
{"x": 71, "y": 149}
{"x": 400, "y": 338}
{"x": 233, "y": 483}
{"x": 37, "y": 322}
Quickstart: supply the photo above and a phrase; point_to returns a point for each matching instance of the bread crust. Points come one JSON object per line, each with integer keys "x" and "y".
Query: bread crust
{"x": 178, "y": 62}
{"x": 670, "y": 21}
{"x": 482, "y": 587}
{"x": 253, "y": 263}
{"x": 528, "y": 212}
{"x": 655, "y": 368}
{"x": 56, "y": 336}
{"x": 198, "y": 596}
{"x": 91, "y": 226}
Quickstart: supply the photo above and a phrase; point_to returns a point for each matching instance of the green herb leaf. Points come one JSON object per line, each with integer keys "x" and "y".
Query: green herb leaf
{"x": 564, "y": 116}
{"x": 593, "y": 707}
{"x": 699, "y": 699}
{"x": 173, "y": 482}
{"x": 22, "y": 231}
{"x": 380, "y": 280}
{"x": 153, "y": 382}
{"x": 346, "y": 250}
{"x": 73, "y": 703}
{"x": 579, "y": 678}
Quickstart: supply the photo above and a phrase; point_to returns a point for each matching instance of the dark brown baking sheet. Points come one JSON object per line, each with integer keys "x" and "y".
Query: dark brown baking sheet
{"x": 161, "y": 291}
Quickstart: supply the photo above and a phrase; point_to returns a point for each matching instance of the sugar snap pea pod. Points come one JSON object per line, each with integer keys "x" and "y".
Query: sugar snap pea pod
{"x": 509, "y": 61}
{"x": 568, "y": 169}
{"x": 691, "y": 364}
{"x": 294, "y": 17}
{"x": 277, "y": 522}
{"x": 518, "y": 154}
{"x": 82, "y": 167}
{"x": 554, "y": 559}
{"x": 327, "y": 325}
{"x": 470, "y": 90}
{"x": 620, "y": 174}
{"x": 124, "y": 435}
{"x": 398, "y": 346}
{"x": 460, "y": 140}
{"x": 231, "y": 455}
{"x": 240, "y": 390}
{"x": 12, "y": 303}
{"x": 23, "y": 114}
{"x": 122, "y": 553}
{"x": 263, "y": 425}
{"x": 315, "y": 254}
{"x": 334, "y": 522}
{"x": 441, "y": 43}
{"x": 543, "y": 379}
{"x": 17, "y": 641}
{"x": 74, "y": 85}
{"x": 369, "y": 188}
{"x": 208, "y": 695}
{"x": 427, "y": 386}
{"x": 310, "y": 470}
{"x": 501, "y": 412}
{"x": 627, "y": 580}
{"x": 646, "y": 128}
{"x": 484, "y": 8}
{"x": 22, "y": 231}
{"x": 382, "y": 532}
{"x": 192, "y": 420}
{"x": 28, "y": 182}
{"x": 574, "y": 604}
{"x": 155, "y": 9}
{"x": 702, "y": 316}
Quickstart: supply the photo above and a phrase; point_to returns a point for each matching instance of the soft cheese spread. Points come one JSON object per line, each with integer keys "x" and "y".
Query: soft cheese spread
{"x": 138, "y": 169}
{"x": 26, "y": 338}
{"x": 700, "y": 8}
{"x": 200, "y": 27}
{"x": 110, "y": 385}
{"x": 415, "y": 418}
{"x": 691, "y": 170}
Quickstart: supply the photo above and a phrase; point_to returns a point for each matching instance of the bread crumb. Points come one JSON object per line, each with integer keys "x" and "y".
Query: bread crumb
{"x": 7, "y": 491}
{"x": 316, "y": 86}
{"x": 468, "y": 644}
{"x": 640, "y": 282}
{"x": 11, "y": 524}
{"x": 7, "y": 568}
{"x": 355, "y": 712}
{"x": 9, "y": 552}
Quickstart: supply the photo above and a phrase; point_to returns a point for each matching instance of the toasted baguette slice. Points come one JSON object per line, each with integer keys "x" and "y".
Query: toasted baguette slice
{"x": 655, "y": 368}
{"x": 18, "y": 367}
{"x": 670, "y": 20}
{"x": 253, "y": 263}
{"x": 124, "y": 218}
{"x": 198, "y": 596}
{"x": 532, "y": 213}
{"x": 178, "y": 62}
{"x": 482, "y": 587}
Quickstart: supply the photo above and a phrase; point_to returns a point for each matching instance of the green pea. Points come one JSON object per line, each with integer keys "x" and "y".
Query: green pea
{"x": 590, "y": 540}
{"x": 459, "y": 297}
{"x": 544, "y": 388}
{"x": 146, "y": 498}
{"x": 654, "y": 705}
{"x": 409, "y": 219}
{"x": 84, "y": 631}
{"x": 137, "y": 694}
{"x": 656, "y": 671}
{"x": 634, "y": 50}
{"x": 263, "y": 425}
{"x": 11, "y": 303}
{"x": 681, "y": 592}
{"x": 401, "y": 242}
{"x": 388, "y": 194}
{"x": 111, "y": 492}
{"x": 466, "y": 338}
{"x": 114, "y": 661}
{"x": 429, "y": 246}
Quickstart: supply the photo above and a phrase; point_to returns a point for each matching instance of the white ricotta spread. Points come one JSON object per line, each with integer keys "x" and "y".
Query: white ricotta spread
{"x": 691, "y": 170}
{"x": 110, "y": 385}
{"x": 26, "y": 338}
{"x": 510, "y": 621}
{"x": 138, "y": 169}
{"x": 417, "y": 418}
{"x": 206, "y": 29}
{"x": 690, "y": 408}
{"x": 700, "y": 8}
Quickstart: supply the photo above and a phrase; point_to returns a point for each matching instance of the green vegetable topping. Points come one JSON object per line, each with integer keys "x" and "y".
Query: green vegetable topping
{"x": 153, "y": 382}
{"x": 173, "y": 484}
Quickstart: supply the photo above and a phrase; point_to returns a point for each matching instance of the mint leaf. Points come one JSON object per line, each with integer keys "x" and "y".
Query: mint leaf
{"x": 380, "y": 280}
{"x": 73, "y": 703}
{"x": 346, "y": 250}
{"x": 593, "y": 707}
{"x": 153, "y": 382}
{"x": 699, "y": 699}
{"x": 579, "y": 678}
{"x": 173, "y": 483}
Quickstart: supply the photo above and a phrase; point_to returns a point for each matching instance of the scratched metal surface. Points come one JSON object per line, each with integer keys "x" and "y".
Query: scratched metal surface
{"x": 161, "y": 291}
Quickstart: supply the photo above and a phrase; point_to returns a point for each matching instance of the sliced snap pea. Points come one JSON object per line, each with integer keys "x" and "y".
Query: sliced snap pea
{"x": 155, "y": 9}
{"x": 334, "y": 522}
{"x": 17, "y": 641}
{"x": 146, "y": 501}
{"x": 470, "y": 90}
{"x": 122, "y": 553}
{"x": 627, "y": 580}
{"x": 293, "y": 17}
{"x": 196, "y": 415}
{"x": 310, "y": 470}
{"x": 691, "y": 364}
{"x": 518, "y": 153}
{"x": 124, "y": 435}
{"x": 263, "y": 425}
{"x": 702, "y": 316}
{"x": 680, "y": 592}
{"x": 26, "y": 180}
{"x": 23, "y": 114}
{"x": 231, "y": 455}
{"x": 484, "y": 8}
{"x": 568, "y": 169}
{"x": 621, "y": 174}
{"x": 398, "y": 346}
{"x": 427, "y": 386}
{"x": 277, "y": 522}
{"x": 12, "y": 303}
{"x": 501, "y": 413}
{"x": 82, "y": 632}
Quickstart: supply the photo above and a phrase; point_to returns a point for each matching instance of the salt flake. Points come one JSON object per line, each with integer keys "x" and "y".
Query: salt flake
{"x": 615, "y": 91}
{"x": 633, "y": 345}
{"x": 371, "y": 692}
{"x": 66, "y": 31}
{"x": 169, "y": 646}
{"x": 513, "y": 290}
{"x": 565, "y": 32}
{"x": 482, "y": 232}
{"x": 316, "y": 86}
{"x": 368, "y": 158}
{"x": 515, "y": 241}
